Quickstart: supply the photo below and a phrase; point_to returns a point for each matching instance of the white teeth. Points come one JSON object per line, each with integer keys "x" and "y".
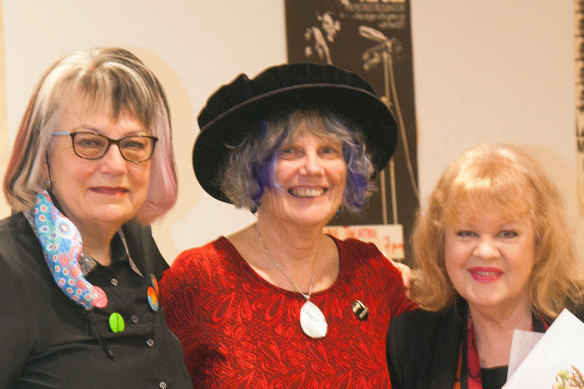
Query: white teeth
{"x": 486, "y": 273}
{"x": 306, "y": 192}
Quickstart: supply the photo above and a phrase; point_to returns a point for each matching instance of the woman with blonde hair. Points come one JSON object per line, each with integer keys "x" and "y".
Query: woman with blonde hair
{"x": 493, "y": 254}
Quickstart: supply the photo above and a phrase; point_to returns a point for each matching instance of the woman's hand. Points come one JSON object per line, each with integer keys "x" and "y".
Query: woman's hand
{"x": 406, "y": 274}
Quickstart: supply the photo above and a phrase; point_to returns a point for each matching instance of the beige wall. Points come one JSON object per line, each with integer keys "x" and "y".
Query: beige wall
{"x": 4, "y": 143}
{"x": 500, "y": 71}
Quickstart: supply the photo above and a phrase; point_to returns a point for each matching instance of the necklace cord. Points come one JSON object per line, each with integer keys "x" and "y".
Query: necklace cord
{"x": 269, "y": 254}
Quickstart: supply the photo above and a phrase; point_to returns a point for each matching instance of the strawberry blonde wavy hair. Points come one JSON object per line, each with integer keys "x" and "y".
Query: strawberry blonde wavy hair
{"x": 504, "y": 181}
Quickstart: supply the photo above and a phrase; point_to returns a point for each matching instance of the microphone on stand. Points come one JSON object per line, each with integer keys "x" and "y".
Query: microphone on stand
{"x": 372, "y": 56}
{"x": 382, "y": 53}
{"x": 373, "y": 34}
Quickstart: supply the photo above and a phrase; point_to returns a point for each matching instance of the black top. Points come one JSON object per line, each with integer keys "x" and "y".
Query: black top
{"x": 423, "y": 347}
{"x": 494, "y": 377}
{"x": 48, "y": 341}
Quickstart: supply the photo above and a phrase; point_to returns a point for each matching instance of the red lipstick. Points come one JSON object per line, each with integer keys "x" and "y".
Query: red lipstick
{"x": 485, "y": 274}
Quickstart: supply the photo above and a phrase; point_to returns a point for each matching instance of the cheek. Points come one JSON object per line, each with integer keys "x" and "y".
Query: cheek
{"x": 138, "y": 178}
{"x": 283, "y": 172}
{"x": 523, "y": 262}
{"x": 343, "y": 180}
{"x": 339, "y": 174}
{"x": 274, "y": 196}
{"x": 342, "y": 169}
{"x": 454, "y": 258}
{"x": 272, "y": 201}
{"x": 455, "y": 273}
{"x": 140, "y": 175}
{"x": 69, "y": 172}
{"x": 450, "y": 269}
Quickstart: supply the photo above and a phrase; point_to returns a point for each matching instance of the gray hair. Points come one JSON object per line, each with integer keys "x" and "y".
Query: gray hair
{"x": 250, "y": 167}
{"x": 106, "y": 77}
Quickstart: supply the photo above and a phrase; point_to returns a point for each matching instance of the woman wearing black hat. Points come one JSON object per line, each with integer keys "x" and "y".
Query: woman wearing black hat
{"x": 279, "y": 303}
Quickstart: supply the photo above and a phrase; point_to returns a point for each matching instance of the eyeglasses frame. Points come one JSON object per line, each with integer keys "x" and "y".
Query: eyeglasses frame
{"x": 110, "y": 141}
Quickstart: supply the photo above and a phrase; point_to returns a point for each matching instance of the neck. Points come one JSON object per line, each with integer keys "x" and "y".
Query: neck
{"x": 290, "y": 244}
{"x": 97, "y": 243}
{"x": 494, "y": 332}
{"x": 297, "y": 249}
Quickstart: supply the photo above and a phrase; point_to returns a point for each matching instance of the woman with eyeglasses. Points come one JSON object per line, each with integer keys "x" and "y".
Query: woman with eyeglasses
{"x": 91, "y": 167}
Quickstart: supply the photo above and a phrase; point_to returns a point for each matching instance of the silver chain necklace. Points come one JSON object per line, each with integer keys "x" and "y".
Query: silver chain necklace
{"x": 312, "y": 320}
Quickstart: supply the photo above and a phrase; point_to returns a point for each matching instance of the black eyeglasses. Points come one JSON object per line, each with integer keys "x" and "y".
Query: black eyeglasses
{"x": 89, "y": 145}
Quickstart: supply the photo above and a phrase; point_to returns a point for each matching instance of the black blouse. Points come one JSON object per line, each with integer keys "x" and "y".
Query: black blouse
{"x": 48, "y": 341}
{"x": 494, "y": 378}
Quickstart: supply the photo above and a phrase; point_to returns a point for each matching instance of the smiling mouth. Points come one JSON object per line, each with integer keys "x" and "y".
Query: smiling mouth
{"x": 485, "y": 276}
{"x": 306, "y": 192}
{"x": 486, "y": 273}
{"x": 109, "y": 190}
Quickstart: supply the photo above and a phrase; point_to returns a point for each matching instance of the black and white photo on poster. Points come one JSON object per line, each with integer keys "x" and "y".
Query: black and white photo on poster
{"x": 373, "y": 39}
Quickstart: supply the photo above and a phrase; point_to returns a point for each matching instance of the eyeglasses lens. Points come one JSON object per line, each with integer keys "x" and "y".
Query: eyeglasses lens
{"x": 94, "y": 146}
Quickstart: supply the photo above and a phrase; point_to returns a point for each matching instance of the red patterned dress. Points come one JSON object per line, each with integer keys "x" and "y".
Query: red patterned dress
{"x": 239, "y": 331}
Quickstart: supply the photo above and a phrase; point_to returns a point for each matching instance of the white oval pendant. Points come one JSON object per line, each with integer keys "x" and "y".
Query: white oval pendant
{"x": 312, "y": 321}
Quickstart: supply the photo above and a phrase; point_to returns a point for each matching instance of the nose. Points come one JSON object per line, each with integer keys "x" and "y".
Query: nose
{"x": 112, "y": 161}
{"x": 312, "y": 164}
{"x": 486, "y": 248}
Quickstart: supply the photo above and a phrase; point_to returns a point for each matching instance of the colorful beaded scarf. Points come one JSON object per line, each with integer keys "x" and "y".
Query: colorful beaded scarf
{"x": 62, "y": 245}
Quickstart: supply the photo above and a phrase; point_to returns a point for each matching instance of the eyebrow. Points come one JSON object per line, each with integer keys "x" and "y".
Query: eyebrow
{"x": 84, "y": 128}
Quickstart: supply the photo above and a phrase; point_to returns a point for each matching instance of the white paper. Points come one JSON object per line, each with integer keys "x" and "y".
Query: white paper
{"x": 523, "y": 343}
{"x": 560, "y": 348}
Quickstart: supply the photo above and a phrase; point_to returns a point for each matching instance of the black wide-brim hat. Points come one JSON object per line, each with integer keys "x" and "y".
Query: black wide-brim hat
{"x": 235, "y": 109}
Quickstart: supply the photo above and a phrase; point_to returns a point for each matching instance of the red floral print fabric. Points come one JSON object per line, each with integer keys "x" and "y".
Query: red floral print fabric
{"x": 239, "y": 331}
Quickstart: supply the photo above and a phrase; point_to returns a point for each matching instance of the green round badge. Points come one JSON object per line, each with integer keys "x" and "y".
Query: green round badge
{"x": 116, "y": 322}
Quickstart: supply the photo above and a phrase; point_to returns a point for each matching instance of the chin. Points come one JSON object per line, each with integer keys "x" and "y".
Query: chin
{"x": 120, "y": 217}
{"x": 312, "y": 221}
{"x": 487, "y": 302}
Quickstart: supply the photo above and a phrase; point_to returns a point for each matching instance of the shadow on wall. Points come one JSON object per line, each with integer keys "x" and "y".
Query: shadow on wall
{"x": 4, "y": 144}
{"x": 183, "y": 132}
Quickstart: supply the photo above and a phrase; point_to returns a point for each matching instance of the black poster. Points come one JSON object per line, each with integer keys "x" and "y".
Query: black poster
{"x": 373, "y": 39}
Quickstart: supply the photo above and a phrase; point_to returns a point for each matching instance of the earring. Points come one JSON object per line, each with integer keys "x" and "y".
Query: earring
{"x": 48, "y": 184}
{"x": 253, "y": 209}
{"x": 338, "y": 211}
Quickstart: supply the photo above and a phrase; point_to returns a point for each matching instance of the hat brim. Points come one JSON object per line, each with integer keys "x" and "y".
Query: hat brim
{"x": 218, "y": 137}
